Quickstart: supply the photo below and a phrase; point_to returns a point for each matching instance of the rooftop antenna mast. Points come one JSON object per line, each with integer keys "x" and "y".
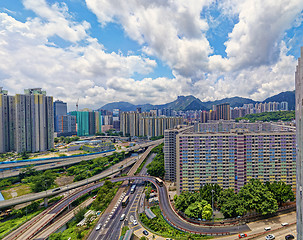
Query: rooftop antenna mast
{"x": 77, "y": 105}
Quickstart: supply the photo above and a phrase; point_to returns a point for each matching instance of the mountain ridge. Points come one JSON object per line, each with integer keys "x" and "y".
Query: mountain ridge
{"x": 190, "y": 102}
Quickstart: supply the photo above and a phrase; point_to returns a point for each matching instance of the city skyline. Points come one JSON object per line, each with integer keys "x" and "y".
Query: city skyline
{"x": 146, "y": 53}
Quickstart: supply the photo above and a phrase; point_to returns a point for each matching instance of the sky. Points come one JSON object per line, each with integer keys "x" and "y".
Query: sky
{"x": 149, "y": 51}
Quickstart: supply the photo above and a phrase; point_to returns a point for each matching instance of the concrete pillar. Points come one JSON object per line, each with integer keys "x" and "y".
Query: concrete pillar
{"x": 45, "y": 202}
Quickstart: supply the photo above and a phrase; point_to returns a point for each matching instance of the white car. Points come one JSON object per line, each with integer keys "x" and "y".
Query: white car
{"x": 135, "y": 222}
{"x": 98, "y": 227}
{"x": 270, "y": 237}
{"x": 284, "y": 224}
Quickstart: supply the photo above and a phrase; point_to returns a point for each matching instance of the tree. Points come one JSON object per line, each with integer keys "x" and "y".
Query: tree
{"x": 206, "y": 192}
{"x": 89, "y": 219}
{"x": 185, "y": 199}
{"x": 256, "y": 196}
{"x": 79, "y": 214}
{"x": 282, "y": 192}
{"x": 156, "y": 169}
{"x": 55, "y": 236}
{"x": 28, "y": 171}
{"x": 180, "y": 202}
{"x": 196, "y": 209}
{"x": 147, "y": 192}
{"x": 207, "y": 212}
{"x": 229, "y": 204}
{"x": 99, "y": 134}
{"x": 24, "y": 155}
{"x": 42, "y": 182}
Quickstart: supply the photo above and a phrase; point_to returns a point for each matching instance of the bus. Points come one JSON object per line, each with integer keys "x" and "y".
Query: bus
{"x": 125, "y": 201}
{"x": 133, "y": 188}
{"x": 159, "y": 182}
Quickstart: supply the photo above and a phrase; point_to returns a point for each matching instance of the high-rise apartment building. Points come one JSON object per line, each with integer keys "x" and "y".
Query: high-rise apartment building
{"x": 299, "y": 131}
{"x": 284, "y": 106}
{"x": 229, "y": 154}
{"x": 204, "y": 117}
{"x": 169, "y": 150}
{"x": 145, "y": 124}
{"x": 60, "y": 109}
{"x": 66, "y": 125}
{"x": 28, "y": 121}
{"x": 223, "y": 111}
{"x": 116, "y": 114}
{"x": 88, "y": 123}
{"x": 230, "y": 159}
{"x": 4, "y": 121}
{"x": 129, "y": 123}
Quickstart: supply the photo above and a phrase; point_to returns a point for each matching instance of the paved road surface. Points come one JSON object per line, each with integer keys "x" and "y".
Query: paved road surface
{"x": 56, "y": 163}
{"x": 60, "y": 222}
{"x": 113, "y": 231}
{"x": 30, "y": 230}
{"x": 31, "y": 197}
{"x": 49, "y": 215}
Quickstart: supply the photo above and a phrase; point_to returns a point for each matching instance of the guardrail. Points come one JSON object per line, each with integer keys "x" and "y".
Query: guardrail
{"x": 36, "y": 219}
{"x": 182, "y": 229}
{"x": 267, "y": 232}
{"x": 55, "y": 158}
{"x": 73, "y": 197}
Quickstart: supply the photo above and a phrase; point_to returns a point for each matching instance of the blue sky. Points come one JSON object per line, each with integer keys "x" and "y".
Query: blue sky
{"x": 149, "y": 51}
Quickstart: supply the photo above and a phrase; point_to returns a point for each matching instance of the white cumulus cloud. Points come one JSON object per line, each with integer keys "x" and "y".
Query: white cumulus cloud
{"x": 256, "y": 63}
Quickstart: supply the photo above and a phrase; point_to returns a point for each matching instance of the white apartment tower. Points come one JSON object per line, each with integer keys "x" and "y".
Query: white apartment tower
{"x": 299, "y": 129}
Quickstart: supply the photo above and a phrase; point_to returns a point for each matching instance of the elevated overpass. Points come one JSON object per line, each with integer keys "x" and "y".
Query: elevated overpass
{"x": 58, "y": 162}
{"x": 29, "y": 230}
{"x": 108, "y": 172}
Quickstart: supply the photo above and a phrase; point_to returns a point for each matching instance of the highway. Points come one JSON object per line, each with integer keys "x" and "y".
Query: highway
{"x": 34, "y": 196}
{"x": 111, "y": 230}
{"x": 28, "y": 230}
{"x": 44, "y": 234}
{"x": 49, "y": 215}
{"x": 113, "y": 169}
{"x": 62, "y": 162}
{"x": 164, "y": 205}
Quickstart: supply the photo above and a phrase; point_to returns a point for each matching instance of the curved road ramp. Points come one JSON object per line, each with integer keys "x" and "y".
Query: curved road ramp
{"x": 30, "y": 229}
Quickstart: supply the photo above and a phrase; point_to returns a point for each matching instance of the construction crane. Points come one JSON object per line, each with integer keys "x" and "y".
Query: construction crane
{"x": 77, "y": 105}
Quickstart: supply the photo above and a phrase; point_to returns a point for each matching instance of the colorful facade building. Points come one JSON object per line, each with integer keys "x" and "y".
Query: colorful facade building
{"x": 88, "y": 122}
{"x": 232, "y": 158}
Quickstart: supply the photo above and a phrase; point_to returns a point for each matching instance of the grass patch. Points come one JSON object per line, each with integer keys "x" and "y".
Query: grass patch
{"x": 16, "y": 191}
{"x": 55, "y": 199}
{"x": 7, "y": 226}
{"x": 159, "y": 226}
{"x": 124, "y": 230}
{"x": 141, "y": 165}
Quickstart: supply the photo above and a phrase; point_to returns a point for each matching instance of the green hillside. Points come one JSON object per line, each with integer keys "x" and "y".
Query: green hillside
{"x": 270, "y": 116}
